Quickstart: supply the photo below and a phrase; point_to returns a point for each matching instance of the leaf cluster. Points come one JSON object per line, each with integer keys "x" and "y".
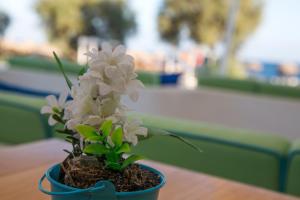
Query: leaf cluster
{"x": 107, "y": 142}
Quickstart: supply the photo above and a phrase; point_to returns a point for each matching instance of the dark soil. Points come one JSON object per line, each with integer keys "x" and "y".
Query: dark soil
{"x": 83, "y": 172}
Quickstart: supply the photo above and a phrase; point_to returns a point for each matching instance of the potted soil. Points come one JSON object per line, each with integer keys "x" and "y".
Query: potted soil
{"x": 100, "y": 164}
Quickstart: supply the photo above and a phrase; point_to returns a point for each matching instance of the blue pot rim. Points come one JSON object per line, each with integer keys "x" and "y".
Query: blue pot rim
{"x": 162, "y": 182}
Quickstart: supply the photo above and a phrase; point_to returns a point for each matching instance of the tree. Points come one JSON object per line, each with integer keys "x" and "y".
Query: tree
{"x": 4, "y": 22}
{"x": 206, "y": 20}
{"x": 66, "y": 20}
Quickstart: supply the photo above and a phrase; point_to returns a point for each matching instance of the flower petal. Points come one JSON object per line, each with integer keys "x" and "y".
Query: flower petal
{"x": 118, "y": 51}
{"x": 106, "y": 48}
{"x": 93, "y": 120}
{"x": 141, "y": 131}
{"x": 133, "y": 75}
{"x": 46, "y": 110}
{"x": 110, "y": 71}
{"x": 52, "y": 101}
{"x": 133, "y": 139}
{"x": 71, "y": 124}
{"x": 119, "y": 84}
{"x": 62, "y": 99}
{"x": 51, "y": 121}
{"x": 104, "y": 89}
{"x": 92, "y": 53}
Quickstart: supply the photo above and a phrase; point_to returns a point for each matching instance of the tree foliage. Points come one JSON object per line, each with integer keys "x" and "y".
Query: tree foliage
{"x": 4, "y": 22}
{"x": 66, "y": 20}
{"x": 206, "y": 19}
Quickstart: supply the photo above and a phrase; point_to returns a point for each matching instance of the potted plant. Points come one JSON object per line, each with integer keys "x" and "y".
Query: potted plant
{"x": 94, "y": 121}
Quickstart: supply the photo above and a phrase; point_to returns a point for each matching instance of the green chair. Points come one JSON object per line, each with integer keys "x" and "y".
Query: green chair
{"x": 293, "y": 170}
{"x": 247, "y": 157}
{"x": 21, "y": 120}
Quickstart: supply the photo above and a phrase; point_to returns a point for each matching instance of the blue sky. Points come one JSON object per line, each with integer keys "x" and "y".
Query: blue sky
{"x": 276, "y": 39}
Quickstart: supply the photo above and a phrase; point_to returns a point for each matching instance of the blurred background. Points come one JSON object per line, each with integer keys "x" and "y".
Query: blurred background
{"x": 229, "y": 62}
{"x": 225, "y": 71}
{"x": 251, "y": 39}
{"x": 249, "y": 46}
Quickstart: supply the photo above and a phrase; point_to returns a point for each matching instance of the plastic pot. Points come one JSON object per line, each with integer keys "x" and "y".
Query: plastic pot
{"x": 104, "y": 190}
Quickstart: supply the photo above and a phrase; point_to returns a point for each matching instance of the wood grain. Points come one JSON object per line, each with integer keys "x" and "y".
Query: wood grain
{"x": 181, "y": 185}
{"x": 22, "y": 157}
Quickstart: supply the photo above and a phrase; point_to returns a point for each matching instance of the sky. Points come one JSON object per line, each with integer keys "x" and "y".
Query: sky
{"x": 277, "y": 38}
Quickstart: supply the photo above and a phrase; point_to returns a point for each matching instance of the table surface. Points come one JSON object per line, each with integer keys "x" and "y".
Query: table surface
{"x": 22, "y": 166}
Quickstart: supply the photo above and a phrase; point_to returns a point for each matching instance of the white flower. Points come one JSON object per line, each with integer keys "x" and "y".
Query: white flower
{"x": 117, "y": 70}
{"x": 88, "y": 85}
{"x": 93, "y": 120}
{"x": 54, "y": 106}
{"x": 97, "y": 95}
{"x": 99, "y": 60}
{"x": 132, "y": 129}
{"x": 72, "y": 123}
{"x": 133, "y": 88}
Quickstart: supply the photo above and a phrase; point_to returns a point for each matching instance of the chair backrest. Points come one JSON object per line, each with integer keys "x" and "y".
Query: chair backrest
{"x": 21, "y": 120}
{"x": 293, "y": 169}
{"x": 252, "y": 158}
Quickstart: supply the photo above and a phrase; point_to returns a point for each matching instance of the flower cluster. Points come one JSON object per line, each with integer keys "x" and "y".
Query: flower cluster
{"x": 96, "y": 97}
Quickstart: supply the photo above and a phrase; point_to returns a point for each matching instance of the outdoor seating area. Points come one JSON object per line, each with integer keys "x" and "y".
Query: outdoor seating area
{"x": 149, "y": 100}
{"x": 261, "y": 160}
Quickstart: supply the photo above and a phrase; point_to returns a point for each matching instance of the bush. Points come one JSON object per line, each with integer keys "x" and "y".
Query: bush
{"x": 250, "y": 86}
{"x": 43, "y": 64}
{"x": 149, "y": 78}
{"x": 279, "y": 90}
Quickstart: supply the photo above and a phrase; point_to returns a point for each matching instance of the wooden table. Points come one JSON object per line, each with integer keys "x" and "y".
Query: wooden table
{"x": 19, "y": 181}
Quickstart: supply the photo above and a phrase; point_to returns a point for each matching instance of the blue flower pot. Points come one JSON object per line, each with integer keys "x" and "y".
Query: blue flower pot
{"x": 104, "y": 190}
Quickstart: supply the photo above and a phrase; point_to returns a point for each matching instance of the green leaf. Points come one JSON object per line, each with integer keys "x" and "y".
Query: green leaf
{"x": 112, "y": 157}
{"x": 96, "y": 149}
{"x": 96, "y": 138}
{"x": 117, "y": 136}
{"x": 58, "y": 118}
{"x": 86, "y": 131}
{"x": 82, "y": 71}
{"x": 131, "y": 159}
{"x": 125, "y": 148}
{"x": 74, "y": 139}
{"x": 69, "y": 83}
{"x": 106, "y": 127}
{"x": 69, "y": 140}
{"x": 186, "y": 142}
{"x": 159, "y": 132}
{"x": 65, "y": 131}
{"x": 113, "y": 166}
